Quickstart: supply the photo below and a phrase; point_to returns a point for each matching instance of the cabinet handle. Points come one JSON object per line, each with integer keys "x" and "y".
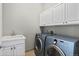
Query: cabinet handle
{"x": 66, "y": 22}
{"x": 14, "y": 48}
{"x": 11, "y": 48}
{"x": 0, "y": 47}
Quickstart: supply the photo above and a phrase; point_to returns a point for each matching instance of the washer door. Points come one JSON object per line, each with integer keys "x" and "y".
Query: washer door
{"x": 54, "y": 50}
{"x": 38, "y": 46}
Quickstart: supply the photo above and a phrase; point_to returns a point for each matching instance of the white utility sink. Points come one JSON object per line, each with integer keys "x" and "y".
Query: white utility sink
{"x": 15, "y": 37}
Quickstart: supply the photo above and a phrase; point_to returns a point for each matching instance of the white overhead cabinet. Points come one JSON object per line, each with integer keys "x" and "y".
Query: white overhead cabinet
{"x": 59, "y": 14}
{"x": 73, "y": 13}
{"x": 53, "y": 16}
{"x": 46, "y": 17}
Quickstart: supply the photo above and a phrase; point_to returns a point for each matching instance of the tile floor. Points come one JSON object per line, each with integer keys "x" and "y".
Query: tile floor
{"x": 30, "y": 53}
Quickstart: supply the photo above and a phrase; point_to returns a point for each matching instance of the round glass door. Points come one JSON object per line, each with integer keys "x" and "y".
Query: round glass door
{"x": 53, "y": 50}
{"x": 38, "y": 44}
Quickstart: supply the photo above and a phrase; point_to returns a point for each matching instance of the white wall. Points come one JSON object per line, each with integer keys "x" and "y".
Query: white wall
{"x": 0, "y": 20}
{"x": 23, "y": 19}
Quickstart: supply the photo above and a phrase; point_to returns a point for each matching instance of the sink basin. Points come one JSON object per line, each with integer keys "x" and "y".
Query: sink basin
{"x": 15, "y": 37}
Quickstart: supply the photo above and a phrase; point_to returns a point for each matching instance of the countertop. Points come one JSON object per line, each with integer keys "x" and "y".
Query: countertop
{"x": 15, "y": 37}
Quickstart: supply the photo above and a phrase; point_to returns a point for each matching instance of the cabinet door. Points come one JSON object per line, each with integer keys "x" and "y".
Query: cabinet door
{"x": 73, "y": 12}
{"x": 49, "y": 17}
{"x": 19, "y": 50}
{"x": 42, "y": 19}
{"x": 46, "y": 17}
{"x": 59, "y": 14}
{"x": 7, "y": 51}
{"x": 0, "y": 20}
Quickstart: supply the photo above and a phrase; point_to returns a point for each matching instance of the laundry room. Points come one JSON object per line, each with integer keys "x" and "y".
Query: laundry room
{"x": 39, "y": 29}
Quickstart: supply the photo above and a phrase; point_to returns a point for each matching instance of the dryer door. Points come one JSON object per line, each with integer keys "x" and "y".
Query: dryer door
{"x": 38, "y": 44}
{"x": 54, "y": 50}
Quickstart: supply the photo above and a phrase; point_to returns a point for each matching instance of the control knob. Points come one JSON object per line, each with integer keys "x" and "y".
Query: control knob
{"x": 55, "y": 41}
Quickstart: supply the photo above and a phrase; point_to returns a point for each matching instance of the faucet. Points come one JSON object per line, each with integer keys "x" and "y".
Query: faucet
{"x": 13, "y": 33}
